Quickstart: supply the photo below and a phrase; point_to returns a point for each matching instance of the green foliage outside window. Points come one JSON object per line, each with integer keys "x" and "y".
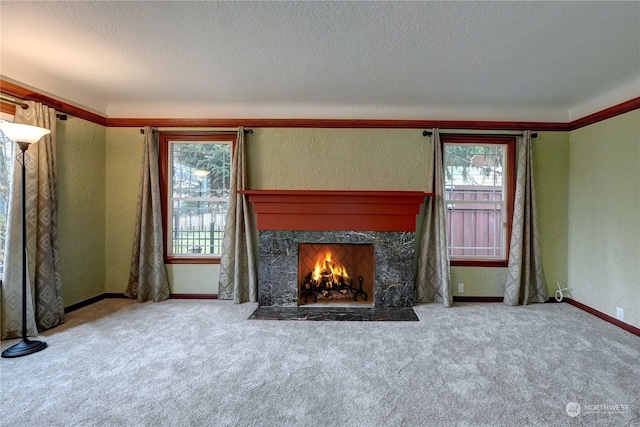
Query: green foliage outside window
{"x": 199, "y": 192}
{"x": 460, "y": 158}
{"x": 190, "y": 158}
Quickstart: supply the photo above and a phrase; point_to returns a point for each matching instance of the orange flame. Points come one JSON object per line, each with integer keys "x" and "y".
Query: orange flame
{"x": 337, "y": 270}
{"x": 316, "y": 271}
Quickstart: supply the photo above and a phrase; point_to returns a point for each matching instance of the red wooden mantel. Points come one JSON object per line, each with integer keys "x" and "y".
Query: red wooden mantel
{"x": 336, "y": 210}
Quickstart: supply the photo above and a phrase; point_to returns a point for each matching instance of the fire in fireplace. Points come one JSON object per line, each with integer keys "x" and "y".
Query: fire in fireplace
{"x": 336, "y": 273}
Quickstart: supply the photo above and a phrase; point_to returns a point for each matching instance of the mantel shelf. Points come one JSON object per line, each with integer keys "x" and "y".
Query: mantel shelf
{"x": 336, "y": 210}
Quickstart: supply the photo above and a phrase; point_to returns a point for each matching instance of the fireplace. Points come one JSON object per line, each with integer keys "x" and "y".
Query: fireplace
{"x": 335, "y": 273}
{"x": 370, "y": 233}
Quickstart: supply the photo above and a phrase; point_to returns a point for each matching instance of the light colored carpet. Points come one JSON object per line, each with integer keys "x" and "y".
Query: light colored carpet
{"x": 202, "y": 363}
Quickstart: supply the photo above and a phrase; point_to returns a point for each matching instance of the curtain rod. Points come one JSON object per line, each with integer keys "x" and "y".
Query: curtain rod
{"x": 218, "y": 132}
{"x": 13, "y": 101}
{"x": 24, "y": 106}
{"x": 429, "y": 133}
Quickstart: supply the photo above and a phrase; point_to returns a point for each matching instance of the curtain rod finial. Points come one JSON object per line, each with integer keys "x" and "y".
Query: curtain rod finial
{"x": 426, "y": 133}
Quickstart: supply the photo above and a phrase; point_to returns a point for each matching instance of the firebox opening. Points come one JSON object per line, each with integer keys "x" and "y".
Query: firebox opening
{"x": 336, "y": 273}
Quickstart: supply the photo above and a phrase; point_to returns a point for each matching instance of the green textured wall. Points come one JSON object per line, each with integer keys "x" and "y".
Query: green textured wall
{"x": 82, "y": 211}
{"x": 394, "y": 159}
{"x": 587, "y": 185}
{"x": 357, "y": 159}
{"x": 604, "y": 216}
{"x": 338, "y": 159}
{"x": 123, "y": 160}
{"x": 551, "y": 173}
{"x": 278, "y": 159}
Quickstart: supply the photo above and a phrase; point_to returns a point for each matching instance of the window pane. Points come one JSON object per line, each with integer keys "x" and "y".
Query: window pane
{"x": 198, "y": 226}
{"x": 474, "y": 165}
{"x": 6, "y": 162}
{"x": 475, "y": 196}
{"x": 199, "y": 190}
{"x": 474, "y": 230}
{"x": 201, "y": 169}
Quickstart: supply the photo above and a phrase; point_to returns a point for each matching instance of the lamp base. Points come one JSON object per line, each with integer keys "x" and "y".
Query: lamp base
{"x": 24, "y": 348}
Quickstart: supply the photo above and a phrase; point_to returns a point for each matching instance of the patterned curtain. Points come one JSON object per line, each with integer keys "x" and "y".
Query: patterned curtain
{"x": 238, "y": 272}
{"x": 524, "y": 282}
{"x": 148, "y": 276}
{"x": 45, "y": 307}
{"x": 433, "y": 280}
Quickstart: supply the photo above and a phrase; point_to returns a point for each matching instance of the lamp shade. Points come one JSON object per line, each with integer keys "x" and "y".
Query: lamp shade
{"x": 201, "y": 173}
{"x": 23, "y": 133}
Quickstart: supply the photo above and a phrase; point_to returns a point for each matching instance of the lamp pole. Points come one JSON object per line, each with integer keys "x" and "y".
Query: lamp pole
{"x": 24, "y": 135}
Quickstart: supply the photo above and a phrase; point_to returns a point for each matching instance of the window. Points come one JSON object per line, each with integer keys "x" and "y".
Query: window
{"x": 479, "y": 186}
{"x": 6, "y": 163}
{"x": 195, "y": 174}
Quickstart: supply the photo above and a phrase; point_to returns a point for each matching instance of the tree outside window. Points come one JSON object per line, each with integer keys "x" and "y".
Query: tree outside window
{"x": 479, "y": 183}
{"x": 196, "y": 174}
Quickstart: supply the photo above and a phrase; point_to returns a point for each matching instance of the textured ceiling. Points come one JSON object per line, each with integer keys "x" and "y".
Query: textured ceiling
{"x": 553, "y": 61}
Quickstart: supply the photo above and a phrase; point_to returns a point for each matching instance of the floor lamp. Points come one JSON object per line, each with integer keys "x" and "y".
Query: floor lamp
{"x": 23, "y": 135}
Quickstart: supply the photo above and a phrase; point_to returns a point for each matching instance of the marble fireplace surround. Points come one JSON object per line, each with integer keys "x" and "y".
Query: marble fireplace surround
{"x": 385, "y": 219}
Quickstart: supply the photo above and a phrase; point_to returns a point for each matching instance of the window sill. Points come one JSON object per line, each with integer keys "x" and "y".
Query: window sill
{"x": 478, "y": 263}
{"x": 192, "y": 260}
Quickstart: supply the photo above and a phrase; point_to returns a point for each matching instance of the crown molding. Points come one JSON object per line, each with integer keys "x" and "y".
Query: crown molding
{"x": 60, "y": 106}
{"x": 607, "y": 113}
{"x": 63, "y": 107}
{"x": 338, "y": 124}
{"x": 7, "y": 108}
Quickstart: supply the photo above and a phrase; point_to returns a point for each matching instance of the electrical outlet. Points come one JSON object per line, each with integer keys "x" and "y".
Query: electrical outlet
{"x": 619, "y": 314}
{"x": 460, "y": 288}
